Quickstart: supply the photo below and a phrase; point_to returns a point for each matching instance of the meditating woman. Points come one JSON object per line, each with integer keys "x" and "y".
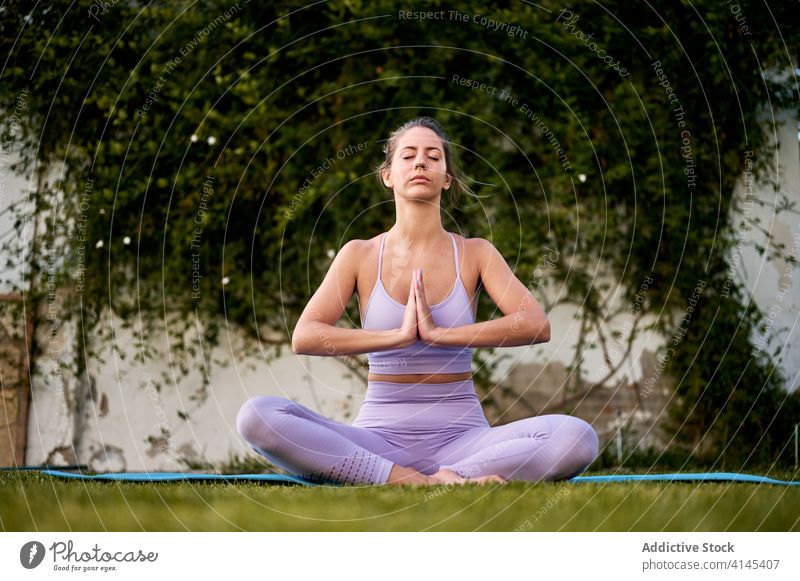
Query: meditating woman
{"x": 421, "y": 421}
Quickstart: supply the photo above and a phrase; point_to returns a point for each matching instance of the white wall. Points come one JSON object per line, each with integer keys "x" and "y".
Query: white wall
{"x": 126, "y": 408}
{"x": 774, "y": 284}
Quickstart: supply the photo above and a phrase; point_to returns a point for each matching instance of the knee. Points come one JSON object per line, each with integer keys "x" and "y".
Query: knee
{"x": 580, "y": 442}
{"x": 256, "y": 416}
{"x": 588, "y": 441}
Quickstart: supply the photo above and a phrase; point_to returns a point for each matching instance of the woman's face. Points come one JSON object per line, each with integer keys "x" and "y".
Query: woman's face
{"x": 419, "y": 152}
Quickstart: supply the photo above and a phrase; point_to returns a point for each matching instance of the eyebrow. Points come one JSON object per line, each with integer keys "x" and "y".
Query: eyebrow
{"x": 414, "y": 147}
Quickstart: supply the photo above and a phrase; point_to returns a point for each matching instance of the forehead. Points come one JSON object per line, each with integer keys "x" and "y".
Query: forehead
{"x": 417, "y": 137}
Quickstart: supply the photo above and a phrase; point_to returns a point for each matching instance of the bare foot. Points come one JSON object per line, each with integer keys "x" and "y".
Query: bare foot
{"x": 409, "y": 476}
{"x": 400, "y": 475}
{"x": 447, "y": 476}
{"x": 487, "y": 479}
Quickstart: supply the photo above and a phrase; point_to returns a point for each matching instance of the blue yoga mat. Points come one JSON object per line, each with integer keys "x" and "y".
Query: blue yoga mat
{"x": 173, "y": 476}
{"x": 282, "y": 479}
{"x": 690, "y": 477}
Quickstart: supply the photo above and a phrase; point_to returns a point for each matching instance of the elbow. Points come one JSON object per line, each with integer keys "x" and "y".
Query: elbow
{"x": 297, "y": 345}
{"x": 541, "y": 331}
{"x": 306, "y": 340}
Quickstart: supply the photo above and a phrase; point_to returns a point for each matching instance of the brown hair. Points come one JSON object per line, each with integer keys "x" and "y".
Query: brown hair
{"x": 458, "y": 183}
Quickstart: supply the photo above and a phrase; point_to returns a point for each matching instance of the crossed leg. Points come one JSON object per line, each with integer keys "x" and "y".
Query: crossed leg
{"x": 549, "y": 447}
{"x": 317, "y": 448}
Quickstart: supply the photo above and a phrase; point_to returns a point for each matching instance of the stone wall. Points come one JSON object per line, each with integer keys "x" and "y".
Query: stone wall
{"x": 531, "y": 389}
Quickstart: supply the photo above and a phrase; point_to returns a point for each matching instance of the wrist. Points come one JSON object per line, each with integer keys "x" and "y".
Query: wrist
{"x": 433, "y": 335}
{"x": 402, "y": 338}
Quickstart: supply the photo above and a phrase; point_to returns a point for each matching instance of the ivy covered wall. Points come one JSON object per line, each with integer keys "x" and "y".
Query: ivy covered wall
{"x": 211, "y": 147}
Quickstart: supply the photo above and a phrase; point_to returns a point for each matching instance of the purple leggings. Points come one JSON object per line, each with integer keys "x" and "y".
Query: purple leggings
{"x": 425, "y": 426}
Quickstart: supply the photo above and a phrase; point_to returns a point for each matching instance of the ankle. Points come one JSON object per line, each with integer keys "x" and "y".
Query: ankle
{"x": 403, "y": 475}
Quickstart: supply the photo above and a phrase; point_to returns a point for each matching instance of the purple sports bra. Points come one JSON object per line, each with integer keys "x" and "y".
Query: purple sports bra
{"x": 383, "y": 313}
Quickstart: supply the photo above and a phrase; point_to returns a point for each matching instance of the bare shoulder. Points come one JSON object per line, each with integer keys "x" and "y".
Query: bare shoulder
{"x": 479, "y": 249}
{"x": 476, "y": 253}
{"x": 352, "y": 248}
{"x": 358, "y": 248}
{"x": 469, "y": 243}
{"x": 355, "y": 246}
{"x": 354, "y": 252}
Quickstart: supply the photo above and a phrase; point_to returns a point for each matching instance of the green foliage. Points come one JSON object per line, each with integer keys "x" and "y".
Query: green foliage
{"x": 272, "y": 92}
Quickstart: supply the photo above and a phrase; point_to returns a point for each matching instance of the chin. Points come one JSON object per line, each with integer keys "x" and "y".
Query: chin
{"x": 428, "y": 189}
{"x": 428, "y": 196}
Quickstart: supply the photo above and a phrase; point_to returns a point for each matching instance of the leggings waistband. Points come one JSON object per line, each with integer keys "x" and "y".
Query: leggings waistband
{"x": 396, "y": 392}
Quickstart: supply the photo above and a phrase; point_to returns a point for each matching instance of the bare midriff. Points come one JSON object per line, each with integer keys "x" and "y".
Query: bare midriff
{"x": 420, "y": 377}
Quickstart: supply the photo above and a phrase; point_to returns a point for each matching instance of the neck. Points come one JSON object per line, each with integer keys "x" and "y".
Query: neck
{"x": 418, "y": 223}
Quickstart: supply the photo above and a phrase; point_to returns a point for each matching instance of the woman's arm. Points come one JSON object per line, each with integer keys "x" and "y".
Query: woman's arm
{"x": 316, "y": 332}
{"x": 524, "y": 321}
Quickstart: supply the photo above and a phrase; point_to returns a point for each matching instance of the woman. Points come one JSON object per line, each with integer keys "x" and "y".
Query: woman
{"x": 421, "y": 421}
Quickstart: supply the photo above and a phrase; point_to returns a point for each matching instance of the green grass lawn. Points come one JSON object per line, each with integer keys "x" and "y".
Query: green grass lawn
{"x": 30, "y": 501}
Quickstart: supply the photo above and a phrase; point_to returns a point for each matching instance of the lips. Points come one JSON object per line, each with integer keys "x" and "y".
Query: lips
{"x": 420, "y": 179}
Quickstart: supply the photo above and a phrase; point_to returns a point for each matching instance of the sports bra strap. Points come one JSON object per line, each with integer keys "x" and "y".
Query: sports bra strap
{"x": 380, "y": 256}
{"x": 455, "y": 254}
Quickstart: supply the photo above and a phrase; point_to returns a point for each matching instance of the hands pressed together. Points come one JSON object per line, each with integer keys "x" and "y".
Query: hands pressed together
{"x": 418, "y": 323}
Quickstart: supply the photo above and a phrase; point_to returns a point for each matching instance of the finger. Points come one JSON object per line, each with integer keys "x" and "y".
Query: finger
{"x": 420, "y": 290}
